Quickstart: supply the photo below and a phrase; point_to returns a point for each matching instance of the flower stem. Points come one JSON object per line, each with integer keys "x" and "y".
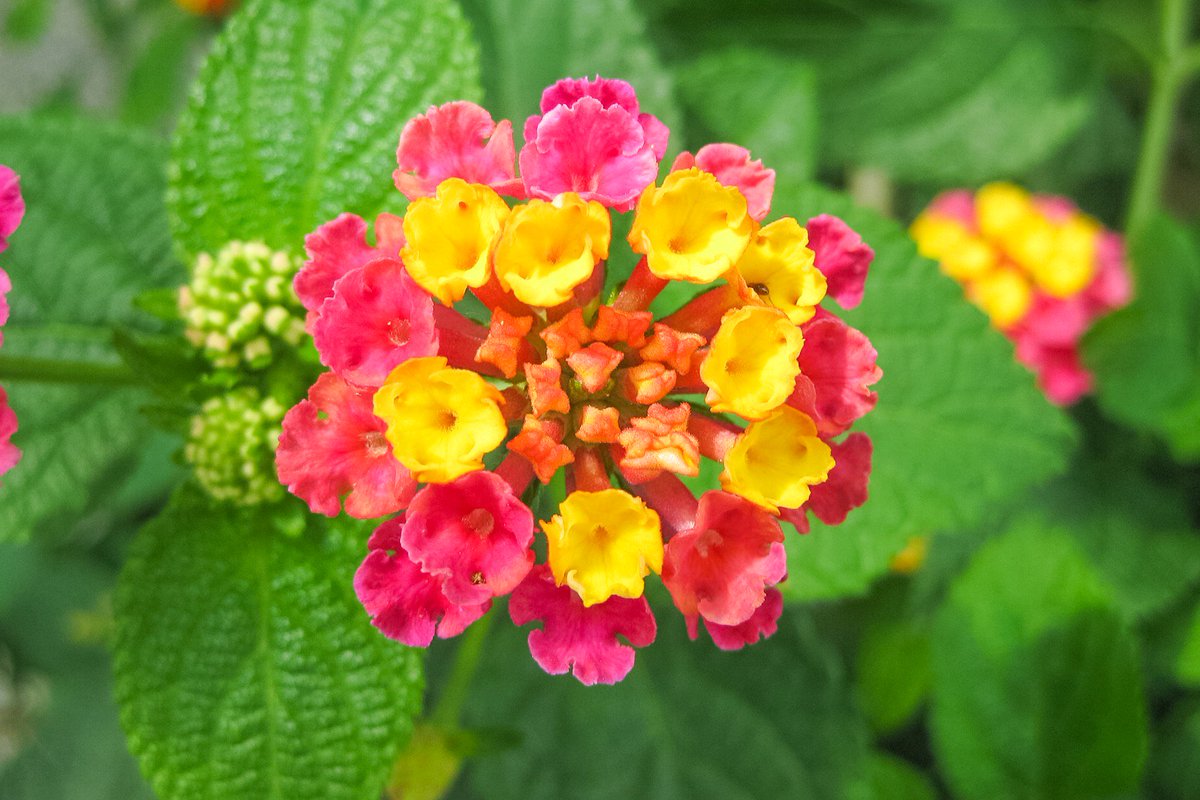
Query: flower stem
{"x": 49, "y": 370}
{"x": 1170, "y": 73}
{"x": 449, "y": 706}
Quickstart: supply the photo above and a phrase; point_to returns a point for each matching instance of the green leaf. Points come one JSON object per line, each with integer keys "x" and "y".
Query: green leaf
{"x": 158, "y": 79}
{"x": 959, "y": 429}
{"x": 774, "y": 720}
{"x": 530, "y": 44}
{"x": 895, "y": 779}
{"x": 1173, "y": 771}
{"x": 1147, "y": 356}
{"x": 930, "y": 90}
{"x": 94, "y": 236}
{"x": 245, "y": 666}
{"x": 894, "y": 673}
{"x": 764, "y": 102}
{"x": 1038, "y": 689}
{"x": 297, "y": 111}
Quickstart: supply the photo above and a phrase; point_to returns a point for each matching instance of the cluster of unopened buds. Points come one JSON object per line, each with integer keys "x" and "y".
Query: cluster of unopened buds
{"x": 12, "y": 210}
{"x": 566, "y": 371}
{"x": 1038, "y": 267}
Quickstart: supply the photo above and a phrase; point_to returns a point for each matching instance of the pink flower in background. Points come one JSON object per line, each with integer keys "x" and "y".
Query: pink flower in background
{"x": 1038, "y": 267}
{"x": 12, "y": 211}
{"x": 9, "y": 453}
{"x": 456, "y": 140}
{"x": 12, "y": 205}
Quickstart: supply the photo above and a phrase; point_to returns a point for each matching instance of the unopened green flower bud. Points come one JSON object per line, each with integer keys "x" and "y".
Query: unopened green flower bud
{"x": 240, "y": 308}
{"x": 231, "y": 445}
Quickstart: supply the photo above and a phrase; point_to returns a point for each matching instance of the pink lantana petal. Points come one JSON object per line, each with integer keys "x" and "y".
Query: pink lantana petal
{"x": 610, "y": 92}
{"x": 837, "y": 365}
{"x": 842, "y": 257}
{"x": 1113, "y": 285}
{"x": 958, "y": 205}
{"x": 5, "y": 288}
{"x": 1053, "y": 321}
{"x": 732, "y": 166}
{"x": 599, "y": 153}
{"x": 337, "y": 247}
{"x": 333, "y": 446}
{"x": 1060, "y": 374}
{"x": 580, "y": 639}
{"x": 720, "y": 568}
{"x": 473, "y": 532}
{"x": 762, "y": 623}
{"x": 406, "y": 604}
{"x": 843, "y": 491}
{"x": 12, "y": 205}
{"x": 9, "y": 453}
{"x": 377, "y": 318}
{"x": 456, "y": 140}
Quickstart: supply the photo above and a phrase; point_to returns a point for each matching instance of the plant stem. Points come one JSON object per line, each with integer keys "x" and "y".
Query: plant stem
{"x": 466, "y": 661}
{"x": 50, "y": 370}
{"x": 1169, "y": 76}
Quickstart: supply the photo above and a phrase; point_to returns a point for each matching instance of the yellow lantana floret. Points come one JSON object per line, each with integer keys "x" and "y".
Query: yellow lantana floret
{"x": 450, "y": 236}
{"x": 603, "y": 544}
{"x": 1004, "y": 295}
{"x": 1072, "y": 265}
{"x": 441, "y": 421}
{"x": 692, "y": 228}
{"x": 776, "y": 461}
{"x": 937, "y": 235}
{"x": 778, "y": 266}
{"x": 751, "y": 367}
{"x": 549, "y": 248}
{"x": 1000, "y": 208}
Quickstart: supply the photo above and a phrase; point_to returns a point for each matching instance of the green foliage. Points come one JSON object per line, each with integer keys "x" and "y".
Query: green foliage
{"x": 1173, "y": 772}
{"x": 94, "y": 236}
{"x": 1037, "y": 690}
{"x": 245, "y": 666}
{"x": 297, "y": 110}
{"x": 895, "y": 779}
{"x": 764, "y": 102}
{"x": 528, "y": 45}
{"x": 775, "y": 720}
{"x": 1147, "y": 356}
{"x": 893, "y": 671}
{"x": 959, "y": 427}
{"x": 931, "y": 90}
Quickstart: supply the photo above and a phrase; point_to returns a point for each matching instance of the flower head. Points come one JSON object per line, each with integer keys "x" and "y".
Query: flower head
{"x": 562, "y": 392}
{"x": 1038, "y": 267}
{"x": 12, "y": 205}
{"x": 231, "y": 444}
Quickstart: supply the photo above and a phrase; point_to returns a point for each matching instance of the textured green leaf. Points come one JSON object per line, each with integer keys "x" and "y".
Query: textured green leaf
{"x": 1037, "y": 690}
{"x": 1147, "y": 356}
{"x": 94, "y": 236}
{"x": 529, "y": 44}
{"x": 246, "y": 667}
{"x": 959, "y": 429}
{"x": 1173, "y": 771}
{"x": 762, "y": 101}
{"x": 774, "y": 720}
{"x": 297, "y": 111}
{"x": 931, "y": 90}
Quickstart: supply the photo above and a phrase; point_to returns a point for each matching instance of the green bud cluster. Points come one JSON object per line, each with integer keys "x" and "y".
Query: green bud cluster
{"x": 232, "y": 443}
{"x": 240, "y": 308}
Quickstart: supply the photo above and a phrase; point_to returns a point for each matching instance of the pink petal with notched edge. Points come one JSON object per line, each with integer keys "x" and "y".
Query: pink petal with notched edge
{"x": 406, "y": 604}
{"x": 10, "y": 454}
{"x": 720, "y": 568}
{"x": 5, "y": 288}
{"x": 843, "y": 491}
{"x": 578, "y": 639}
{"x": 599, "y": 153}
{"x": 474, "y": 532}
{"x": 1113, "y": 285}
{"x": 837, "y": 367}
{"x": 333, "y": 447}
{"x": 12, "y": 205}
{"x": 762, "y": 623}
{"x": 456, "y": 140}
{"x": 610, "y": 92}
{"x": 377, "y": 318}
{"x": 337, "y": 247}
{"x": 841, "y": 256}
{"x": 732, "y": 166}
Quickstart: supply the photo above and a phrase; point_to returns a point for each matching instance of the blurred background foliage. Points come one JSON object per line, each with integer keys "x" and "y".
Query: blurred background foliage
{"x": 1039, "y": 636}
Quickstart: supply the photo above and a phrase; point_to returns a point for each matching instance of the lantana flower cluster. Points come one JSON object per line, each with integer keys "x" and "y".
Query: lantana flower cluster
{"x": 443, "y": 423}
{"x": 12, "y": 210}
{"x": 1038, "y": 267}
